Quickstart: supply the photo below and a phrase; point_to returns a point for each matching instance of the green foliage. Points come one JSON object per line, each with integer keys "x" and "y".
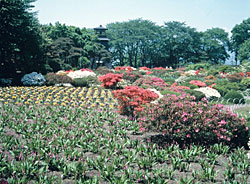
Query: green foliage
{"x": 235, "y": 78}
{"x": 86, "y": 81}
{"x": 244, "y": 51}
{"x": 234, "y": 97}
{"x": 52, "y": 79}
{"x": 246, "y": 82}
{"x": 191, "y": 86}
{"x": 20, "y": 41}
{"x": 168, "y": 92}
{"x": 103, "y": 70}
{"x": 240, "y": 33}
{"x": 215, "y": 42}
{"x": 197, "y": 94}
{"x": 198, "y": 66}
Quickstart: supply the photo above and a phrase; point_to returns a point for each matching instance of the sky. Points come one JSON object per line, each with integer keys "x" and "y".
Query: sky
{"x": 199, "y": 14}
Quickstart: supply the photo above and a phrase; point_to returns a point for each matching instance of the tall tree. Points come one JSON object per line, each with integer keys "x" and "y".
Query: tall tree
{"x": 215, "y": 44}
{"x": 132, "y": 42}
{"x": 180, "y": 44}
{"x": 19, "y": 38}
{"x": 244, "y": 51}
{"x": 240, "y": 33}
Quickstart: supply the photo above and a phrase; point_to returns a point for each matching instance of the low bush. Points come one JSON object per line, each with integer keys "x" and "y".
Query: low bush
{"x": 52, "y": 79}
{"x": 245, "y": 82}
{"x": 132, "y": 76}
{"x": 151, "y": 82}
{"x": 33, "y": 79}
{"x": 234, "y": 97}
{"x": 197, "y": 94}
{"x": 103, "y": 70}
{"x": 184, "y": 121}
{"x": 110, "y": 80}
{"x": 85, "y": 82}
{"x": 132, "y": 98}
{"x": 198, "y": 66}
{"x": 236, "y": 77}
{"x": 169, "y": 92}
{"x": 191, "y": 86}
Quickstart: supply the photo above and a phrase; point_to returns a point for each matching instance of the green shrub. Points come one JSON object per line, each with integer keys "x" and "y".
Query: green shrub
{"x": 194, "y": 78}
{"x": 169, "y": 80}
{"x": 86, "y": 81}
{"x": 52, "y": 79}
{"x": 226, "y": 68}
{"x": 198, "y": 66}
{"x": 131, "y": 76}
{"x": 197, "y": 94}
{"x": 245, "y": 82}
{"x": 166, "y": 92}
{"x": 234, "y": 97}
{"x": 221, "y": 89}
{"x": 191, "y": 86}
{"x": 235, "y": 77}
{"x": 103, "y": 70}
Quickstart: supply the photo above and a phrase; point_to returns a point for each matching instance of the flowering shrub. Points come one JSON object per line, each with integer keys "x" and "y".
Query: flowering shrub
{"x": 159, "y": 68}
{"x": 144, "y": 68}
{"x": 86, "y": 69}
{"x": 248, "y": 74}
{"x": 52, "y": 79}
{"x": 151, "y": 82}
{"x": 197, "y": 83}
{"x": 33, "y": 79}
{"x": 209, "y": 92}
{"x": 104, "y": 70}
{"x": 236, "y": 77}
{"x": 182, "y": 120}
{"x": 110, "y": 80}
{"x": 176, "y": 88}
{"x": 132, "y": 98}
{"x": 80, "y": 74}
{"x": 124, "y": 68}
{"x": 132, "y": 76}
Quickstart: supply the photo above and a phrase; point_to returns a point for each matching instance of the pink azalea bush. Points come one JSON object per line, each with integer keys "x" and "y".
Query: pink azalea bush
{"x": 198, "y": 83}
{"x": 183, "y": 120}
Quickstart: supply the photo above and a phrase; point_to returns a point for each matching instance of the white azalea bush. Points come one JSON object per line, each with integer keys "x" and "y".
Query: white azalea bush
{"x": 158, "y": 93}
{"x": 80, "y": 74}
{"x": 209, "y": 92}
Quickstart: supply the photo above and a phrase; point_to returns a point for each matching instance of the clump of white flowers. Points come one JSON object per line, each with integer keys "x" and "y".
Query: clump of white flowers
{"x": 80, "y": 74}
{"x": 158, "y": 93}
{"x": 209, "y": 92}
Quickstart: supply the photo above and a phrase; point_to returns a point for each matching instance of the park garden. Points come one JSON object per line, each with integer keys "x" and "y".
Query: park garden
{"x": 127, "y": 125}
{"x": 154, "y": 104}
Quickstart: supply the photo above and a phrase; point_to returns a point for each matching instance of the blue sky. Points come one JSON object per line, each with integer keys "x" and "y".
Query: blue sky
{"x": 200, "y": 14}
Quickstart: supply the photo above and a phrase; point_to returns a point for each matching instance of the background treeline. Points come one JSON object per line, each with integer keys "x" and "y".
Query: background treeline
{"x": 27, "y": 46}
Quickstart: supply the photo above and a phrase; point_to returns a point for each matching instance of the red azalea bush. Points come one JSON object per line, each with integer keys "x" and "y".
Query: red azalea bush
{"x": 132, "y": 98}
{"x": 151, "y": 82}
{"x": 198, "y": 83}
{"x": 183, "y": 120}
{"x": 110, "y": 80}
{"x": 178, "y": 89}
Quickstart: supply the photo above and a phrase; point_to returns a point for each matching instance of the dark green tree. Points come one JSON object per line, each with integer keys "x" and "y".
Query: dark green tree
{"x": 240, "y": 33}
{"x": 244, "y": 51}
{"x": 180, "y": 44}
{"x": 215, "y": 45}
{"x": 20, "y": 38}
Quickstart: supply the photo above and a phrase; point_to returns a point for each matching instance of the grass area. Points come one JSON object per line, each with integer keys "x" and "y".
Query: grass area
{"x": 54, "y": 143}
